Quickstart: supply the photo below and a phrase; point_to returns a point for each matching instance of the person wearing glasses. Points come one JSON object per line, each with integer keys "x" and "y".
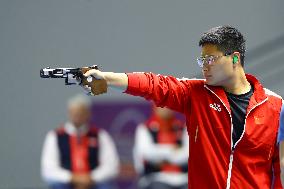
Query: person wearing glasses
{"x": 232, "y": 120}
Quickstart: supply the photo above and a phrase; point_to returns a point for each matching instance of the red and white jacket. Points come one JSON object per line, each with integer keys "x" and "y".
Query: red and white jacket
{"x": 161, "y": 156}
{"x": 63, "y": 154}
{"x": 213, "y": 160}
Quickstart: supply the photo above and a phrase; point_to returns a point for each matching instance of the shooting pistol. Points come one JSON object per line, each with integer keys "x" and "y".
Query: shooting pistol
{"x": 72, "y": 76}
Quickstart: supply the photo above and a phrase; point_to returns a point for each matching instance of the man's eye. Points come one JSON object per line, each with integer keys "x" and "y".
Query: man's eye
{"x": 211, "y": 58}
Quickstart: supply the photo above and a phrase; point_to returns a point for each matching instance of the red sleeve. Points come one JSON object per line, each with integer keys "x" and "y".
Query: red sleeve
{"x": 276, "y": 170}
{"x": 165, "y": 91}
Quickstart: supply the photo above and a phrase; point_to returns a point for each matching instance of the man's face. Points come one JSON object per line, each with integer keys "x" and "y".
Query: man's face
{"x": 221, "y": 70}
{"x": 78, "y": 114}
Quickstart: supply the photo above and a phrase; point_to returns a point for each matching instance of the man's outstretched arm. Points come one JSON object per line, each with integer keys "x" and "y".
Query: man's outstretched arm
{"x": 165, "y": 91}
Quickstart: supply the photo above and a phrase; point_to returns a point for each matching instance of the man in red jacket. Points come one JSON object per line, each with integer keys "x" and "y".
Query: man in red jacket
{"x": 232, "y": 120}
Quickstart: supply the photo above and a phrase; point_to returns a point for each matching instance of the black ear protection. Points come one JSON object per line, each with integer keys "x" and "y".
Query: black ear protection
{"x": 235, "y": 59}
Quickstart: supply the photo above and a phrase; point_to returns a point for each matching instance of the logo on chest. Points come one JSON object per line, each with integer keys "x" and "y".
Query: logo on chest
{"x": 216, "y": 107}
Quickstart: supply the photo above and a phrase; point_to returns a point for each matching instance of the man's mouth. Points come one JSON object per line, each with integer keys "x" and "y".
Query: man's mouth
{"x": 207, "y": 76}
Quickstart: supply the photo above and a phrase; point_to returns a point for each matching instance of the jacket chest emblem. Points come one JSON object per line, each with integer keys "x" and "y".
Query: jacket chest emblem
{"x": 216, "y": 107}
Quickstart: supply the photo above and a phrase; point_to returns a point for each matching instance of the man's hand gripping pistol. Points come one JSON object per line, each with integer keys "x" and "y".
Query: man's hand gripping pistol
{"x": 74, "y": 76}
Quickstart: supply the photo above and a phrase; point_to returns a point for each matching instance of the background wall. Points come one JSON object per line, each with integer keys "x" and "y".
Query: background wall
{"x": 122, "y": 36}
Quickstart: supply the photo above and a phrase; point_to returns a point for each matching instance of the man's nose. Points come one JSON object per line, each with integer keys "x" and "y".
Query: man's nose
{"x": 205, "y": 68}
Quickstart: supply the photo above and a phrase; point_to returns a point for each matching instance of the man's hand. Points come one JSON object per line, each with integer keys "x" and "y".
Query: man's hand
{"x": 82, "y": 181}
{"x": 93, "y": 72}
{"x": 115, "y": 80}
{"x": 93, "y": 82}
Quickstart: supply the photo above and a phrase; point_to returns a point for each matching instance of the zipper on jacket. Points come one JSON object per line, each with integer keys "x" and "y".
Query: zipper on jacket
{"x": 230, "y": 169}
{"x": 232, "y": 145}
{"x": 246, "y": 120}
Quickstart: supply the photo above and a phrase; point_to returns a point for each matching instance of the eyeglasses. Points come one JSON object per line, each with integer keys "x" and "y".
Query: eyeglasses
{"x": 208, "y": 59}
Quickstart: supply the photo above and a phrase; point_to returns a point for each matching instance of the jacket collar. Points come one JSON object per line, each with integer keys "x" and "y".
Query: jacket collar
{"x": 258, "y": 96}
{"x": 72, "y": 130}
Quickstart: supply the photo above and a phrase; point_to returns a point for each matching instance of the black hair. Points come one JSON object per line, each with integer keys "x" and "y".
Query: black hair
{"x": 227, "y": 39}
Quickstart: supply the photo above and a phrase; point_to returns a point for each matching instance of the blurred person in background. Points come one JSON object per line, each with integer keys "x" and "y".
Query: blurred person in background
{"x": 161, "y": 151}
{"x": 78, "y": 155}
